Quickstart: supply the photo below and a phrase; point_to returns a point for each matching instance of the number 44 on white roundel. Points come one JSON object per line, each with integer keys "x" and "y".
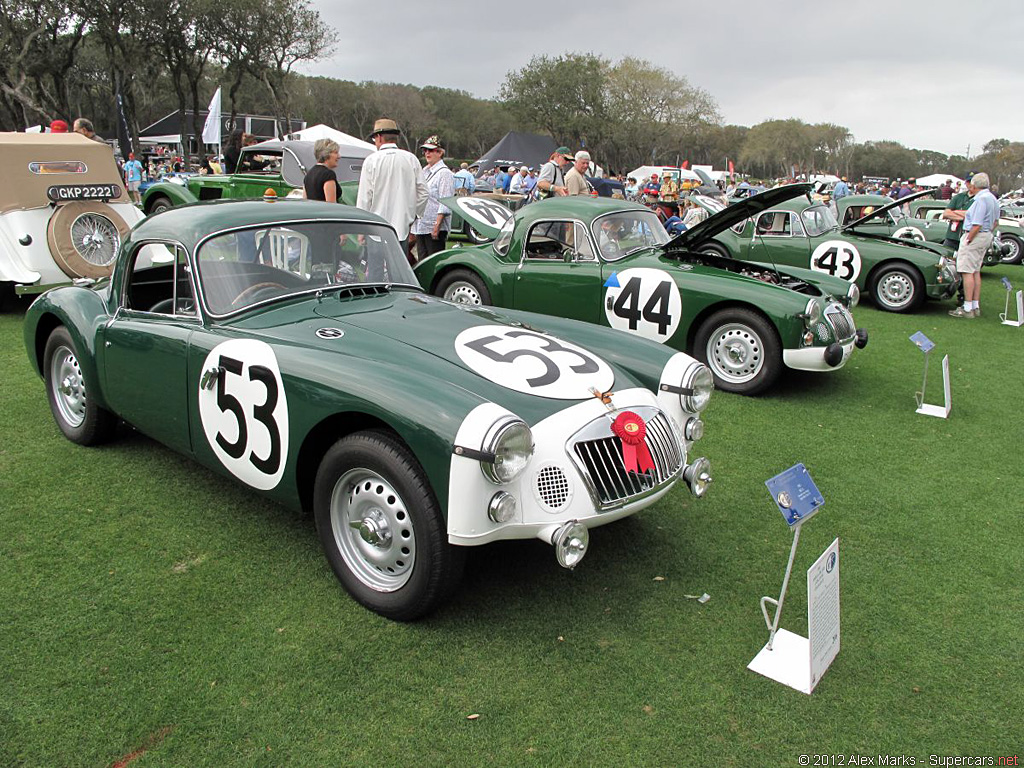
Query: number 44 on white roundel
{"x": 643, "y": 301}
{"x": 837, "y": 258}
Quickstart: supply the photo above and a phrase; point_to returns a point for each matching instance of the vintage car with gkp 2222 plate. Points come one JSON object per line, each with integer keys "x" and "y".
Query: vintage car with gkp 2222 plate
{"x": 287, "y": 345}
{"x": 898, "y": 273}
{"x": 611, "y": 262}
{"x": 277, "y": 165}
{"x": 63, "y": 211}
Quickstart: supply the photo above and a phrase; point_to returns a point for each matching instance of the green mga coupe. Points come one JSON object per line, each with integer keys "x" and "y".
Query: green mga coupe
{"x": 286, "y": 344}
{"x": 611, "y": 262}
{"x": 277, "y": 165}
{"x": 898, "y": 273}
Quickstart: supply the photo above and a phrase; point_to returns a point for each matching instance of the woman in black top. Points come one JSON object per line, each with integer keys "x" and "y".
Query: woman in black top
{"x": 321, "y": 183}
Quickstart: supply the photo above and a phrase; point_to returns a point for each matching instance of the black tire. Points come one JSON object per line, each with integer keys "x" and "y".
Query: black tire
{"x": 897, "y": 288}
{"x": 715, "y": 249}
{"x": 79, "y": 418}
{"x": 159, "y": 205}
{"x": 472, "y": 235}
{"x": 463, "y": 287}
{"x": 742, "y": 350}
{"x": 381, "y": 527}
{"x": 1016, "y": 253}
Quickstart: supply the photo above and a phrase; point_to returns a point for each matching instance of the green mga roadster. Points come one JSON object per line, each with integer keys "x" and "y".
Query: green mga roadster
{"x": 611, "y": 262}
{"x": 287, "y": 345}
{"x": 898, "y": 273}
{"x": 277, "y": 165}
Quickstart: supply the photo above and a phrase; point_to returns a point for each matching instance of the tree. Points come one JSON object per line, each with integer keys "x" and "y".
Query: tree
{"x": 189, "y": 39}
{"x": 779, "y": 147}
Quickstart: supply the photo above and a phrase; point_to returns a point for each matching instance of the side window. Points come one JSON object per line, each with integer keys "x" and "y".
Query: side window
{"x": 773, "y": 224}
{"x": 795, "y": 227}
{"x": 159, "y": 281}
{"x": 548, "y": 240}
{"x": 584, "y": 252}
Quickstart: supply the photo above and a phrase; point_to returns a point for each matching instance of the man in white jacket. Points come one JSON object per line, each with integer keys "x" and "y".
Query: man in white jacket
{"x": 390, "y": 184}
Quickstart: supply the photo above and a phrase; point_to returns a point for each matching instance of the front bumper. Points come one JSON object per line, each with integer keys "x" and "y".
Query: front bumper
{"x": 946, "y": 284}
{"x": 818, "y": 358}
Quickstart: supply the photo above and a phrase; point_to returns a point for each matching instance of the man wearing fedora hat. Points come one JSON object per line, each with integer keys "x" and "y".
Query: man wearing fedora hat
{"x": 390, "y": 184}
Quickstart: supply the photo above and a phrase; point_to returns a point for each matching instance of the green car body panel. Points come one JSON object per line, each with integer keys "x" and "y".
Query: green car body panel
{"x": 589, "y": 289}
{"x": 296, "y": 157}
{"x": 898, "y": 273}
{"x": 344, "y": 359}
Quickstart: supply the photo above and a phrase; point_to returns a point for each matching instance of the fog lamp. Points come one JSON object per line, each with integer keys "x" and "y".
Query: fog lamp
{"x": 698, "y": 476}
{"x": 570, "y": 542}
{"x": 694, "y": 429}
{"x": 808, "y": 338}
{"x": 812, "y": 313}
{"x": 502, "y": 507}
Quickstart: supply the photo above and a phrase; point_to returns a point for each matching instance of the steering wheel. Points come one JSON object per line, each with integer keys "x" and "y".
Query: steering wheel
{"x": 252, "y": 290}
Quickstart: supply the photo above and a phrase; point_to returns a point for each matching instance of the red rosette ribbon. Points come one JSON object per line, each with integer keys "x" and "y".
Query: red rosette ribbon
{"x": 632, "y": 430}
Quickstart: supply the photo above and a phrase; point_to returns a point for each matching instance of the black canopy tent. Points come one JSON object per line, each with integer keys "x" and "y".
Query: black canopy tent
{"x": 518, "y": 149}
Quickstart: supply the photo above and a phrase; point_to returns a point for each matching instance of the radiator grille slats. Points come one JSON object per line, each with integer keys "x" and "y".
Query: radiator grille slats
{"x": 841, "y": 321}
{"x": 600, "y": 460}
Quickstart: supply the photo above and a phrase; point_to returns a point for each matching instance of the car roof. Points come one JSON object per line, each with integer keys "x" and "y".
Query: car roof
{"x": 585, "y": 208}
{"x": 188, "y": 224}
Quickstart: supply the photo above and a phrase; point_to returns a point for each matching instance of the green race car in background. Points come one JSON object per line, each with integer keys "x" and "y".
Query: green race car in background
{"x": 277, "y": 165}
{"x": 881, "y": 215}
{"x": 611, "y": 262}
{"x": 898, "y": 273}
{"x": 286, "y": 345}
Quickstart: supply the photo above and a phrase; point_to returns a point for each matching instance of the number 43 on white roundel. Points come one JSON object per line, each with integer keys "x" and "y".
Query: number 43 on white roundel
{"x": 837, "y": 258}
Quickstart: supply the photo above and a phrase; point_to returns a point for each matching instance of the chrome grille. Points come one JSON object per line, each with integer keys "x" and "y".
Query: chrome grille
{"x": 597, "y": 453}
{"x": 841, "y": 321}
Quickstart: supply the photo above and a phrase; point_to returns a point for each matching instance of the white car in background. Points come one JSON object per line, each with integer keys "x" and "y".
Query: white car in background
{"x": 64, "y": 211}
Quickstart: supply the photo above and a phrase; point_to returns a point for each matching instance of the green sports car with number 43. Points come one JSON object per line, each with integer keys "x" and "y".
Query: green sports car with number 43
{"x": 899, "y": 274}
{"x": 611, "y": 262}
{"x": 287, "y": 345}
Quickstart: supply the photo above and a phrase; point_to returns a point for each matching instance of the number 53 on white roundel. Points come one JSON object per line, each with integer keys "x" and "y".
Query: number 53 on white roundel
{"x": 837, "y": 258}
{"x": 643, "y": 301}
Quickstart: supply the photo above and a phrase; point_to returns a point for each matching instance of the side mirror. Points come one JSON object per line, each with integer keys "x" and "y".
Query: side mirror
{"x": 568, "y": 255}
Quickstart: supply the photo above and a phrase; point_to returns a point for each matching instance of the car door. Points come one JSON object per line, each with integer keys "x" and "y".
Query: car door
{"x": 559, "y": 273}
{"x": 145, "y": 344}
{"x": 779, "y": 238}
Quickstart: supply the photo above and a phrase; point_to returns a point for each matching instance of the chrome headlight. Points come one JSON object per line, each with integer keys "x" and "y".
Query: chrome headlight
{"x": 853, "y": 296}
{"x": 942, "y": 262}
{"x": 812, "y": 313}
{"x": 701, "y": 383}
{"x": 510, "y": 441}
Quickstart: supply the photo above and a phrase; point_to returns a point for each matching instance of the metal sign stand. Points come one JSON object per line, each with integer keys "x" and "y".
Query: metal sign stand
{"x": 1005, "y": 316}
{"x": 926, "y": 345}
{"x": 786, "y": 657}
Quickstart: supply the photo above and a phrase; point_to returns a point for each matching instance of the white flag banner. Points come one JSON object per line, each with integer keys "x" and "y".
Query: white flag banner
{"x": 211, "y": 128}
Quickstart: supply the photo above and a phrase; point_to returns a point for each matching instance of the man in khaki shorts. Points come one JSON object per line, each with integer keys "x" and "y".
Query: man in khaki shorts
{"x": 979, "y": 225}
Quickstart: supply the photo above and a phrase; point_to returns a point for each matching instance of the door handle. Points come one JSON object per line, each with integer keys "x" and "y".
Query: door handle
{"x": 210, "y": 376}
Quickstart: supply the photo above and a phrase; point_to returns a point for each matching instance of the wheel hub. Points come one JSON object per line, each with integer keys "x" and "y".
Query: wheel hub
{"x": 734, "y": 353}
{"x": 460, "y": 293}
{"x": 69, "y": 389}
{"x": 896, "y": 289}
{"x": 373, "y": 529}
{"x": 737, "y": 353}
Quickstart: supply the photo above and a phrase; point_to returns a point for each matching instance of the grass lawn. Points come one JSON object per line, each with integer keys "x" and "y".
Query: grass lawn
{"x": 154, "y": 613}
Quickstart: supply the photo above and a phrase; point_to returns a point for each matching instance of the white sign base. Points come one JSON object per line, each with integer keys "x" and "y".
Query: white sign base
{"x": 797, "y": 661}
{"x": 786, "y": 662}
{"x": 1005, "y": 316}
{"x": 941, "y": 411}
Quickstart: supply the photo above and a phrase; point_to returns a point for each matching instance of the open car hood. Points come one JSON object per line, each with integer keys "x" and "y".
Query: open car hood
{"x": 485, "y": 215}
{"x": 884, "y": 208}
{"x": 734, "y": 214}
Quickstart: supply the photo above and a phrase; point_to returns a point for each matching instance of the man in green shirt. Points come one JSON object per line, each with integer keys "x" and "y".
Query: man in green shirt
{"x": 955, "y": 211}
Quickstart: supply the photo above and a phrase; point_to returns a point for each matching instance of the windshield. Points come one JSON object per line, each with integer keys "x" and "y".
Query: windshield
{"x": 241, "y": 268}
{"x": 619, "y": 234}
{"x": 818, "y": 220}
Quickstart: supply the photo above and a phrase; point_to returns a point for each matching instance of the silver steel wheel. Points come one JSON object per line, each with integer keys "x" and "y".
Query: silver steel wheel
{"x": 895, "y": 290}
{"x": 95, "y": 238}
{"x": 735, "y": 352}
{"x": 1013, "y": 255}
{"x": 463, "y": 292}
{"x": 373, "y": 530}
{"x": 68, "y": 386}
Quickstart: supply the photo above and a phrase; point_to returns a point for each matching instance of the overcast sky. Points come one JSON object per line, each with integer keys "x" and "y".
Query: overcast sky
{"x": 931, "y": 74}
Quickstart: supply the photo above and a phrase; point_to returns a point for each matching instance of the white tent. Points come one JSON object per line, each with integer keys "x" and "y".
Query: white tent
{"x": 938, "y": 179}
{"x": 644, "y": 172}
{"x": 322, "y": 131}
{"x": 712, "y": 173}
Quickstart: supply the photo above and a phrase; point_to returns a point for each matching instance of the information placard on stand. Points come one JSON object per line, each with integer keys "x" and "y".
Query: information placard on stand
{"x": 1005, "y": 315}
{"x": 926, "y": 345}
{"x": 788, "y": 658}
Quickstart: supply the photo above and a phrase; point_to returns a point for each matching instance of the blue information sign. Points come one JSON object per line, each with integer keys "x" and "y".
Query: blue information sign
{"x": 923, "y": 342}
{"x": 1007, "y": 285}
{"x": 795, "y": 494}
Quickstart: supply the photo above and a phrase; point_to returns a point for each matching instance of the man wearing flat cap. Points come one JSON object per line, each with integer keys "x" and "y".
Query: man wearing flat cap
{"x": 390, "y": 184}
